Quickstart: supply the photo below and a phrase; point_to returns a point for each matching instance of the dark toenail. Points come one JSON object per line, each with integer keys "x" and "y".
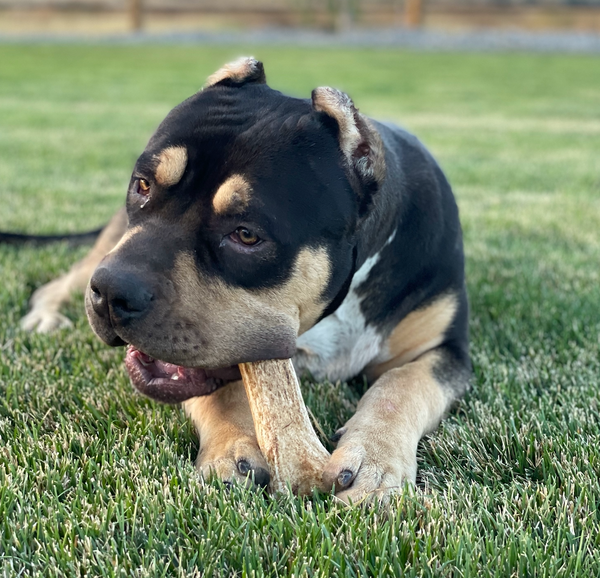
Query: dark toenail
{"x": 345, "y": 477}
{"x": 243, "y": 467}
{"x": 261, "y": 477}
{"x": 335, "y": 437}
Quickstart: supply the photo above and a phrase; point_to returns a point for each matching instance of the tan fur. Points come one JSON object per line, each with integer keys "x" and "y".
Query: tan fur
{"x": 377, "y": 151}
{"x": 238, "y": 320}
{"x": 126, "y": 237}
{"x": 339, "y": 106}
{"x": 223, "y": 419}
{"x": 380, "y": 440}
{"x": 232, "y": 196}
{"x": 355, "y": 129}
{"x": 226, "y": 432}
{"x": 420, "y": 331}
{"x": 47, "y": 301}
{"x": 298, "y": 300}
{"x": 238, "y": 70}
{"x": 305, "y": 288}
{"x": 171, "y": 166}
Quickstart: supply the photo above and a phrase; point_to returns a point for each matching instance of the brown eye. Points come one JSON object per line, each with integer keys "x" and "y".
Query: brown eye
{"x": 143, "y": 187}
{"x": 246, "y": 236}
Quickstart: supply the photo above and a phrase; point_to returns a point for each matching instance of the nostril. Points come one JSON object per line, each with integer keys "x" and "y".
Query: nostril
{"x": 120, "y": 304}
{"x": 126, "y": 306}
{"x": 131, "y": 303}
{"x": 96, "y": 296}
{"x": 97, "y": 300}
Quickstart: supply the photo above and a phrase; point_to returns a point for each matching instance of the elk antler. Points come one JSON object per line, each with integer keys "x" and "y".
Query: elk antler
{"x": 283, "y": 429}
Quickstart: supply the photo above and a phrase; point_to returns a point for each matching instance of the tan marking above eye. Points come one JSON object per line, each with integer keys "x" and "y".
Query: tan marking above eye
{"x": 232, "y": 196}
{"x": 172, "y": 162}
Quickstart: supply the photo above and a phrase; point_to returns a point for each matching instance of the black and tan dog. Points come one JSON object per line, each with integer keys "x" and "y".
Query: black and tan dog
{"x": 261, "y": 226}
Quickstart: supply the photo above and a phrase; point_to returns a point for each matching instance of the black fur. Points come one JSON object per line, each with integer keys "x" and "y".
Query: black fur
{"x": 305, "y": 194}
{"x": 73, "y": 238}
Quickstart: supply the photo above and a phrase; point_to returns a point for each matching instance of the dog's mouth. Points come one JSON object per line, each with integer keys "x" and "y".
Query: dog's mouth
{"x": 170, "y": 383}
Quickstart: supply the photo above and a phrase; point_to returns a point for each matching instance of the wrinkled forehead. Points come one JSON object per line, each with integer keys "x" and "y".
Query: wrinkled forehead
{"x": 223, "y": 123}
{"x": 242, "y": 149}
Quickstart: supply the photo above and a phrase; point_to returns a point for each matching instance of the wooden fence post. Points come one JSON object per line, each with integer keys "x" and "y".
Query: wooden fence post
{"x": 413, "y": 13}
{"x": 136, "y": 10}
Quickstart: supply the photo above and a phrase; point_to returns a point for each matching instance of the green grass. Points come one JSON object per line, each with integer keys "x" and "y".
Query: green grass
{"x": 95, "y": 480}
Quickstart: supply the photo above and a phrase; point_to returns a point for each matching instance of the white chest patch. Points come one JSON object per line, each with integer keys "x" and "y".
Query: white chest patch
{"x": 343, "y": 344}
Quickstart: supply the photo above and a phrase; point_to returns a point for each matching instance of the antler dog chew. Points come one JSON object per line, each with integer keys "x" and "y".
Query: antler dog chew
{"x": 283, "y": 429}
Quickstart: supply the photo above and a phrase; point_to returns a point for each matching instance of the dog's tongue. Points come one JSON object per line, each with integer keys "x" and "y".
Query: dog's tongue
{"x": 171, "y": 383}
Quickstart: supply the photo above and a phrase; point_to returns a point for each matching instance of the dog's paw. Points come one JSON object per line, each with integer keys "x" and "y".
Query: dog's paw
{"x": 367, "y": 468}
{"x": 43, "y": 320}
{"x": 240, "y": 461}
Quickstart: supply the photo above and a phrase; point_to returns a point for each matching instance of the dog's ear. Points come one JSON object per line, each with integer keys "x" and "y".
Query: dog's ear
{"x": 359, "y": 141}
{"x": 242, "y": 71}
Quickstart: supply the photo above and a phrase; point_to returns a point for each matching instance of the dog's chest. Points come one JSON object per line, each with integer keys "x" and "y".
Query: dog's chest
{"x": 344, "y": 343}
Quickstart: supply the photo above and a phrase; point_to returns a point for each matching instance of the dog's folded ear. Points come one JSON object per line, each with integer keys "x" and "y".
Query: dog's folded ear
{"x": 242, "y": 71}
{"x": 359, "y": 141}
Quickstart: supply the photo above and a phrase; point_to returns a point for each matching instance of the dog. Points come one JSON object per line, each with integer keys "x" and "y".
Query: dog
{"x": 261, "y": 226}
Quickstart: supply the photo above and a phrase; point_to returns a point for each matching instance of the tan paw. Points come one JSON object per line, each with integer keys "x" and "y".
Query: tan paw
{"x": 41, "y": 320}
{"x": 238, "y": 461}
{"x": 364, "y": 468}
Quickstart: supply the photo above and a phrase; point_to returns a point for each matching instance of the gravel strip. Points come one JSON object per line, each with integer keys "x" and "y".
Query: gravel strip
{"x": 488, "y": 40}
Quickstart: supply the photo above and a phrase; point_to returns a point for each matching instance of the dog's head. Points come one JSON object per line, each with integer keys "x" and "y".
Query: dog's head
{"x": 243, "y": 212}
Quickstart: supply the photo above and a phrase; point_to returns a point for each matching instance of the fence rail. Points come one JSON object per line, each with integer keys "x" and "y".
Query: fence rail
{"x": 329, "y": 14}
{"x": 298, "y": 5}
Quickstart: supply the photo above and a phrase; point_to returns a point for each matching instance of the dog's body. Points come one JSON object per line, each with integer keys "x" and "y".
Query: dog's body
{"x": 263, "y": 226}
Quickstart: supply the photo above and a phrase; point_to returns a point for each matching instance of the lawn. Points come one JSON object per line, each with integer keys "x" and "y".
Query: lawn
{"x": 96, "y": 480}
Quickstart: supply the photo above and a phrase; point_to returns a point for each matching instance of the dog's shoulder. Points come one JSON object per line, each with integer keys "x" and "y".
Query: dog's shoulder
{"x": 408, "y": 294}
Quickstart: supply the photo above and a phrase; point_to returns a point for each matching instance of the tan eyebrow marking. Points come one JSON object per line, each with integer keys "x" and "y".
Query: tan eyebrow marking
{"x": 171, "y": 166}
{"x": 232, "y": 195}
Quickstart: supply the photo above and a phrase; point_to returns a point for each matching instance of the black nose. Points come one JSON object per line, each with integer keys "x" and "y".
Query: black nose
{"x": 119, "y": 294}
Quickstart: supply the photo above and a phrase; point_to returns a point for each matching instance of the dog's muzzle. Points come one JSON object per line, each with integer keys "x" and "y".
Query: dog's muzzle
{"x": 119, "y": 297}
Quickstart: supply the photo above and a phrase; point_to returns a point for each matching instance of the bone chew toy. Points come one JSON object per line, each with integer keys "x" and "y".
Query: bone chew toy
{"x": 283, "y": 429}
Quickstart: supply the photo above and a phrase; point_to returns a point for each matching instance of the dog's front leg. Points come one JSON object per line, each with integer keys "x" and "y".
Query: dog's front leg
{"x": 228, "y": 446}
{"x": 44, "y": 315}
{"x": 377, "y": 449}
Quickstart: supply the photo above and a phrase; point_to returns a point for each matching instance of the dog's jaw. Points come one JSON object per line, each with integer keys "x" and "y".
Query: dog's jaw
{"x": 170, "y": 383}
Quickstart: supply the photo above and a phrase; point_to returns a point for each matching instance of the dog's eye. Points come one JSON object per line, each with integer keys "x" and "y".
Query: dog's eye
{"x": 245, "y": 236}
{"x": 143, "y": 186}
